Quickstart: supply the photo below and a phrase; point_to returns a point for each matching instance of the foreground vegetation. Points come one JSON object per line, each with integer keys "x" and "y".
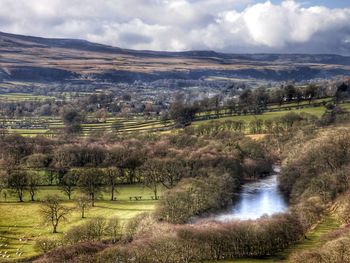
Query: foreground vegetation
{"x": 21, "y": 223}
{"x": 132, "y": 198}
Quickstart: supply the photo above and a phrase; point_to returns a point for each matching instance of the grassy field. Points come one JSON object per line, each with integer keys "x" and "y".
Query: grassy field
{"x": 115, "y": 125}
{"x": 21, "y": 224}
{"x": 317, "y": 111}
{"x": 20, "y": 97}
{"x": 51, "y": 126}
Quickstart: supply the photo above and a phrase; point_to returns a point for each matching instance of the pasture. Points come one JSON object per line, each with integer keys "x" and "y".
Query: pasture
{"x": 21, "y": 223}
{"x": 138, "y": 124}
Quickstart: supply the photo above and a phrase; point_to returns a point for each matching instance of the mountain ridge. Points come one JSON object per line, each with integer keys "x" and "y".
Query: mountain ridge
{"x": 28, "y": 58}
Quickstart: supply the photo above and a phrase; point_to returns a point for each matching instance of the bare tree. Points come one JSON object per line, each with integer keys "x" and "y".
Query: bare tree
{"x": 114, "y": 228}
{"x": 18, "y": 180}
{"x": 112, "y": 175}
{"x": 53, "y": 211}
{"x": 152, "y": 175}
{"x": 69, "y": 182}
{"x": 83, "y": 203}
{"x": 90, "y": 181}
{"x": 171, "y": 172}
{"x": 3, "y": 181}
{"x": 33, "y": 182}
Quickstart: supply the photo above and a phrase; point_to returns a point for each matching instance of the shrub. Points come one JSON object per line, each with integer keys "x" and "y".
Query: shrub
{"x": 92, "y": 230}
{"x": 44, "y": 244}
{"x": 84, "y": 252}
{"x": 195, "y": 196}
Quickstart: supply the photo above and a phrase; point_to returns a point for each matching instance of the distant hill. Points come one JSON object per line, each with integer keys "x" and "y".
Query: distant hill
{"x": 27, "y": 58}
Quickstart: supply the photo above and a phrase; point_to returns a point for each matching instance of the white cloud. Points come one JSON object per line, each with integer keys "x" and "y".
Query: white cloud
{"x": 184, "y": 24}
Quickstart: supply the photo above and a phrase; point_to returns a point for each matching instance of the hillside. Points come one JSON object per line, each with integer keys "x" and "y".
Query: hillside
{"x": 26, "y": 58}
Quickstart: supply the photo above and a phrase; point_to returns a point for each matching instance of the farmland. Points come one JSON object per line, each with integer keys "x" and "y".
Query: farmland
{"x": 21, "y": 224}
{"x": 138, "y": 124}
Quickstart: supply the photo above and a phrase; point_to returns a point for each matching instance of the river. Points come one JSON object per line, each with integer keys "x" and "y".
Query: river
{"x": 256, "y": 199}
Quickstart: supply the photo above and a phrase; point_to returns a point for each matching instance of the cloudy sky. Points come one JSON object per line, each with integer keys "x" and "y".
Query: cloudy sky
{"x": 235, "y": 26}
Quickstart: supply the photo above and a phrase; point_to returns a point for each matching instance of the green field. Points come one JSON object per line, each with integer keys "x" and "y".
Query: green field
{"x": 51, "y": 126}
{"x": 114, "y": 125}
{"x": 21, "y": 224}
{"x": 20, "y": 97}
{"x": 317, "y": 111}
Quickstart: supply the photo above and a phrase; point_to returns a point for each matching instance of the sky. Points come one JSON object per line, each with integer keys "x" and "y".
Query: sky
{"x": 234, "y": 26}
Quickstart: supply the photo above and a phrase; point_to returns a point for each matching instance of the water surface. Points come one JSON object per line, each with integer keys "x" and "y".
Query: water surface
{"x": 256, "y": 199}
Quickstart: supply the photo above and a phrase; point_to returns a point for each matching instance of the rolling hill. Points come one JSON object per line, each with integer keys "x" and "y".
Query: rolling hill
{"x": 27, "y": 58}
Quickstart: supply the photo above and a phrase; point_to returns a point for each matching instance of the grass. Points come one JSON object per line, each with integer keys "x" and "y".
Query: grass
{"x": 317, "y": 111}
{"x": 21, "y": 224}
{"x": 20, "y": 97}
{"x": 52, "y": 126}
{"x": 138, "y": 124}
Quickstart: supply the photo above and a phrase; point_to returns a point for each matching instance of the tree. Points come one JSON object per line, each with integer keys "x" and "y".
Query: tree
{"x": 72, "y": 120}
{"x": 18, "y": 181}
{"x": 37, "y": 161}
{"x": 69, "y": 182}
{"x": 216, "y": 102}
{"x": 298, "y": 95}
{"x": 277, "y": 96}
{"x": 83, "y": 203}
{"x": 246, "y": 100}
{"x": 342, "y": 92}
{"x": 3, "y": 181}
{"x": 261, "y": 98}
{"x": 113, "y": 228}
{"x": 132, "y": 159}
{"x": 290, "y": 92}
{"x": 90, "y": 181}
{"x": 53, "y": 211}
{"x": 182, "y": 114}
{"x": 152, "y": 175}
{"x": 310, "y": 92}
{"x": 112, "y": 175}
{"x": 33, "y": 182}
{"x": 171, "y": 172}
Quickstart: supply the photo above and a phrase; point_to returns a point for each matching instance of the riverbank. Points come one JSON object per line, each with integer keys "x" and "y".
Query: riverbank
{"x": 313, "y": 240}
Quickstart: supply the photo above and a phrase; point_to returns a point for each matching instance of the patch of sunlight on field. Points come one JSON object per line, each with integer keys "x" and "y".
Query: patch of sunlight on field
{"x": 317, "y": 111}
{"x": 21, "y": 223}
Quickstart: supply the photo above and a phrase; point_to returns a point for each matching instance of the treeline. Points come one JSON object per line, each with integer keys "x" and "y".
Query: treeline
{"x": 159, "y": 161}
{"x": 314, "y": 173}
{"x": 287, "y": 123}
{"x": 255, "y": 101}
{"x": 155, "y": 242}
{"x": 318, "y": 167}
{"x": 210, "y": 241}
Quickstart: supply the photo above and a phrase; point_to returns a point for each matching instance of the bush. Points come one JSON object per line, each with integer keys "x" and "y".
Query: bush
{"x": 44, "y": 244}
{"x": 195, "y": 196}
{"x": 317, "y": 167}
{"x": 210, "y": 241}
{"x": 80, "y": 253}
{"x": 309, "y": 211}
{"x": 93, "y": 230}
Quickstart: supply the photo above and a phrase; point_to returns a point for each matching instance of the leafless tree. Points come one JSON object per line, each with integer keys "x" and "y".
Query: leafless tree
{"x": 53, "y": 211}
